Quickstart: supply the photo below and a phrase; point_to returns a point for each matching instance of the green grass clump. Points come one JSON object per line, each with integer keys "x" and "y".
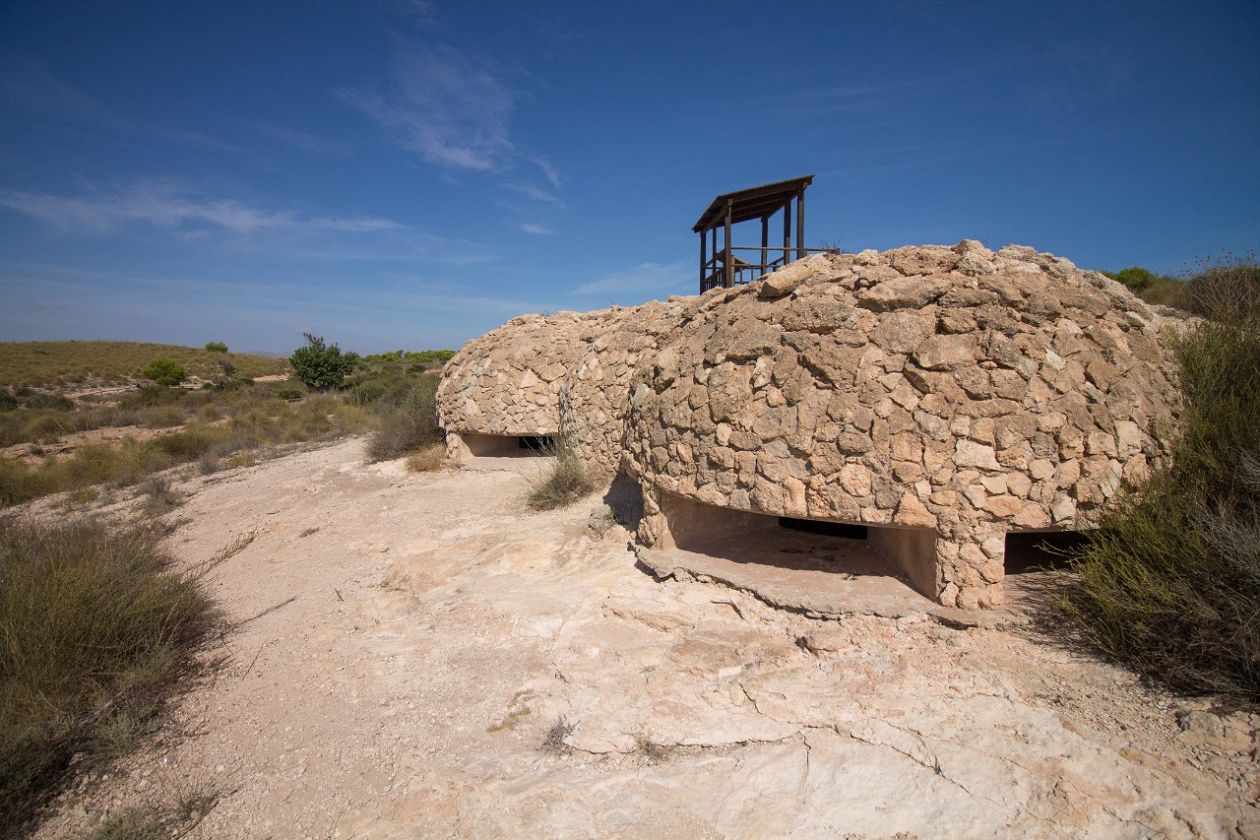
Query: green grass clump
{"x": 563, "y": 483}
{"x": 95, "y": 632}
{"x": 1170, "y": 583}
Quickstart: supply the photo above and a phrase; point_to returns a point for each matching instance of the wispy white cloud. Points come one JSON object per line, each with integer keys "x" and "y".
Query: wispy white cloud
{"x": 533, "y": 192}
{"x": 548, "y": 169}
{"x": 163, "y": 205}
{"x": 536, "y": 229}
{"x": 445, "y": 105}
{"x": 264, "y": 232}
{"x": 648, "y": 277}
{"x": 303, "y": 140}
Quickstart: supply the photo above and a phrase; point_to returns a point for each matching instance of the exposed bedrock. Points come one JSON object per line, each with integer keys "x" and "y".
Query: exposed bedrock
{"x": 949, "y": 394}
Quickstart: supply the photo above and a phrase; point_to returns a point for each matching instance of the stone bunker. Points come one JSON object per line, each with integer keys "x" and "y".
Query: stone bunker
{"x": 934, "y": 398}
{"x": 500, "y": 395}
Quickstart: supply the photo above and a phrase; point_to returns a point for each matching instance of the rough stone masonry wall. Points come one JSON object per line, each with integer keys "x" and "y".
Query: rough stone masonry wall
{"x": 508, "y": 381}
{"x": 595, "y": 398}
{"x": 956, "y": 391}
{"x": 951, "y": 389}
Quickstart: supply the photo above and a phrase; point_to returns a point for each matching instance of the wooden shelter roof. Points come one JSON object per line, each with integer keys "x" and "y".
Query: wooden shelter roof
{"x": 752, "y": 203}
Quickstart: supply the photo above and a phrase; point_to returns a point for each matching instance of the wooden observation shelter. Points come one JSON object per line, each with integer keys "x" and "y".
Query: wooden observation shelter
{"x": 721, "y": 266}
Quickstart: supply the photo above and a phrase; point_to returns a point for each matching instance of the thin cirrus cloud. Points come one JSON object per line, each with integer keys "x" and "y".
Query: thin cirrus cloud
{"x": 647, "y": 277}
{"x": 447, "y": 107}
{"x": 536, "y": 229}
{"x": 105, "y": 211}
{"x": 535, "y": 193}
{"x": 450, "y": 108}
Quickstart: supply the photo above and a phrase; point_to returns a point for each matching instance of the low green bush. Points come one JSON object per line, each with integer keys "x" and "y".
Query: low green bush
{"x": 164, "y": 372}
{"x": 1170, "y": 582}
{"x": 96, "y": 632}
{"x": 216, "y": 346}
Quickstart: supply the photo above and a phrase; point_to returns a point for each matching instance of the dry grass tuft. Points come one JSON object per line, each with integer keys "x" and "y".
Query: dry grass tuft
{"x": 95, "y": 633}
{"x": 556, "y": 739}
{"x": 564, "y": 483}
{"x": 427, "y": 459}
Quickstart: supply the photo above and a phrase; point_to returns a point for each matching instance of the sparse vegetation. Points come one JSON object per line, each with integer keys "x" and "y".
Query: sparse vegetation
{"x": 34, "y": 364}
{"x": 1151, "y": 287}
{"x": 95, "y": 632}
{"x": 557, "y": 737}
{"x": 175, "y": 819}
{"x": 160, "y": 497}
{"x": 266, "y": 422}
{"x": 217, "y": 426}
{"x": 1171, "y": 581}
{"x": 407, "y": 421}
{"x": 321, "y": 366}
{"x": 564, "y": 483}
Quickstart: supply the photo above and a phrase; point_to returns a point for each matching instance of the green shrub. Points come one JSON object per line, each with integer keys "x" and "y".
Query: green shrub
{"x": 164, "y": 372}
{"x": 1170, "y": 583}
{"x": 1135, "y": 277}
{"x": 8, "y": 402}
{"x": 564, "y": 483}
{"x": 96, "y": 631}
{"x": 321, "y": 366}
{"x": 216, "y": 346}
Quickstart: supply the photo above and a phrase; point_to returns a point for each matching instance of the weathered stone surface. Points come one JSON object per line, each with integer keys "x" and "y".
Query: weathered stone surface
{"x": 957, "y": 389}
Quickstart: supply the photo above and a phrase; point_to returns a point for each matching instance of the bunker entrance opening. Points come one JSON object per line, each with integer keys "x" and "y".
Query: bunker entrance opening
{"x": 823, "y": 565}
{"x": 1040, "y": 551}
{"x": 505, "y": 446}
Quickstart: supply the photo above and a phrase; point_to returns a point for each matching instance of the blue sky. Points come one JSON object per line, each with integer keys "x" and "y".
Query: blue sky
{"x": 410, "y": 174}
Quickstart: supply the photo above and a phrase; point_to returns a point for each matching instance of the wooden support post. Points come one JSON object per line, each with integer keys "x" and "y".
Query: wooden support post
{"x": 704, "y": 258}
{"x": 800, "y": 224}
{"x": 787, "y": 230}
{"x": 729, "y": 279}
{"x": 765, "y": 242}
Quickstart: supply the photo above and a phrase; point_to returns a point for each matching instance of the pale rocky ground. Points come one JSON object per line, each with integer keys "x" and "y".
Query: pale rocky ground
{"x": 396, "y": 672}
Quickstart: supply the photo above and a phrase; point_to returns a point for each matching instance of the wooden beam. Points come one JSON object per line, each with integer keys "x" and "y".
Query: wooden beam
{"x": 765, "y": 240}
{"x": 800, "y": 224}
{"x": 729, "y": 279}
{"x": 787, "y": 231}
{"x": 704, "y": 258}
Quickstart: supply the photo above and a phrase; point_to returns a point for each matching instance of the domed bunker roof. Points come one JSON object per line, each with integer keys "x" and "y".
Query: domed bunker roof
{"x": 943, "y": 396}
{"x": 595, "y": 398}
{"x": 506, "y": 384}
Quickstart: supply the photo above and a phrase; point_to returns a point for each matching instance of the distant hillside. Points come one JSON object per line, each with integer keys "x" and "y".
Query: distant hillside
{"x": 63, "y": 362}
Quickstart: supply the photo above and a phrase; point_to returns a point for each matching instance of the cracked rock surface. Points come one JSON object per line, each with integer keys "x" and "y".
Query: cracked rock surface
{"x": 397, "y": 672}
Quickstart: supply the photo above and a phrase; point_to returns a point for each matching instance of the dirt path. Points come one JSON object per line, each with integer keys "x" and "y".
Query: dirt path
{"x": 405, "y": 643}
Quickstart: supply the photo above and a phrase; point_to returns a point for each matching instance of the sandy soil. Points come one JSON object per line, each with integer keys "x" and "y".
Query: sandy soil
{"x": 403, "y": 645}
